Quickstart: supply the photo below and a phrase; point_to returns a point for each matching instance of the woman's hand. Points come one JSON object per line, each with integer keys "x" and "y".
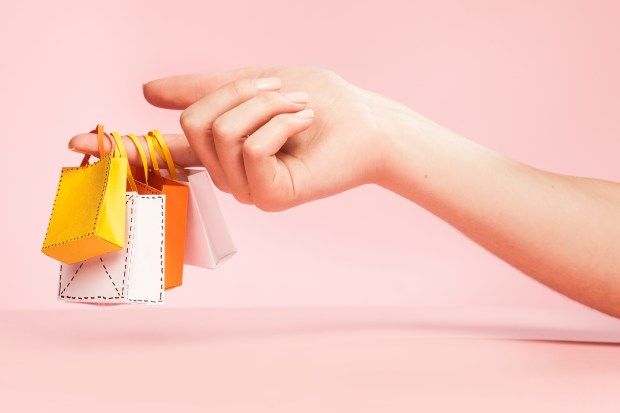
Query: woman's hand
{"x": 274, "y": 137}
{"x": 265, "y": 148}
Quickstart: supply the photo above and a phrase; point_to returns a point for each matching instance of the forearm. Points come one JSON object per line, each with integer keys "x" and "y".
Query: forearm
{"x": 563, "y": 231}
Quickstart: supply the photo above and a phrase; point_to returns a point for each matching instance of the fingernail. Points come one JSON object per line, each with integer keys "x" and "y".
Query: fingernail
{"x": 305, "y": 114}
{"x": 76, "y": 150}
{"x": 268, "y": 83}
{"x": 297, "y": 97}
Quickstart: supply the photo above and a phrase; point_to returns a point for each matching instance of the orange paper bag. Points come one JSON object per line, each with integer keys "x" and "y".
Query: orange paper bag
{"x": 177, "y": 196}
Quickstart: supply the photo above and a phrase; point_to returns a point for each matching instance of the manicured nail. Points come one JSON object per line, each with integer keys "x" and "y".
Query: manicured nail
{"x": 305, "y": 114}
{"x": 268, "y": 83}
{"x": 76, "y": 150}
{"x": 297, "y": 97}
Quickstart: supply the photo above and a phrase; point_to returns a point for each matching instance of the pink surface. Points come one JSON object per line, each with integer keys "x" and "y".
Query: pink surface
{"x": 537, "y": 80}
{"x": 296, "y": 360}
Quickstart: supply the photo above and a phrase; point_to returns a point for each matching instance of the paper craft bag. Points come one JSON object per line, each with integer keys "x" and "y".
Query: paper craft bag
{"x": 88, "y": 216}
{"x": 134, "y": 274}
{"x": 177, "y": 196}
{"x": 208, "y": 241}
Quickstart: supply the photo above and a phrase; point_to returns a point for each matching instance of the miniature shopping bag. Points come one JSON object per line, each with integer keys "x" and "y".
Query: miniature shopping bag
{"x": 177, "y": 196}
{"x": 208, "y": 241}
{"x": 88, "y": 215}
{"x": 134, "y": 274}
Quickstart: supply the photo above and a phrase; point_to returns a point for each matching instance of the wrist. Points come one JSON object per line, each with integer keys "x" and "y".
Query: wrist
{"x": 401, "y": 132}
{"x": 433, "y": 166}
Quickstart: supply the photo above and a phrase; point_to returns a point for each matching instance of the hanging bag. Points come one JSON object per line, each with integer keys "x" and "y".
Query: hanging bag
{"x": 88, "y": 215}
{"x": 208, "y": 242}
{"x": 176, "y": 209}
{"x": 134, "y": 274}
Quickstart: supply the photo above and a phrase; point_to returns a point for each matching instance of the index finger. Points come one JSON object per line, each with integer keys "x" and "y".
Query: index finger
{"x": 179, "y": 92}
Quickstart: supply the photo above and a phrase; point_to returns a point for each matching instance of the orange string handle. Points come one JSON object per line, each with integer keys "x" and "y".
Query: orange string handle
{"x": 99, "y": 131}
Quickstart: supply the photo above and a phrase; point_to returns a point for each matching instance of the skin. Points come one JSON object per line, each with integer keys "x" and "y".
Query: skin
{"x": 275, "y": 150}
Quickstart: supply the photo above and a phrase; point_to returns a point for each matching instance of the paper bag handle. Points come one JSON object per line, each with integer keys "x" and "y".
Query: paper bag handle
{"x": 164, "y": 152}
{"x": 99, "y": 131}
{"x": 120, "y": 150}
{"x": 145, "y": 164}
{"x": 149, "y": 144}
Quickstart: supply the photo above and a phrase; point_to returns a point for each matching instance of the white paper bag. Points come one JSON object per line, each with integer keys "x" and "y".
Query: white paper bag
{"x": 134, "y": 274}
{"x": 208, "y": 242}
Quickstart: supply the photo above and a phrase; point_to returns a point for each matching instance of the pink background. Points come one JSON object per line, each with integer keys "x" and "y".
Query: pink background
{"x": 536, "y": 80}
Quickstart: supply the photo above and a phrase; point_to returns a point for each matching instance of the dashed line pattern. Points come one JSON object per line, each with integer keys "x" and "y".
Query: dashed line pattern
{"x": 127, "y": 263}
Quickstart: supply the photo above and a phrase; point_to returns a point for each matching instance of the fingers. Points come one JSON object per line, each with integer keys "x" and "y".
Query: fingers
{"x": 179, "y": 92}
{"x": 270, "y": 180}
{"x": 231, "y": 129}
{"x": 181, "y": 152}
{"x": 198, "y": 120}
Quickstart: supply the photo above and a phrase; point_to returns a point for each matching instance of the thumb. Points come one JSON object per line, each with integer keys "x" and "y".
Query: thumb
{"x": 179, "y": 92}
{"x": 182, "y": 153}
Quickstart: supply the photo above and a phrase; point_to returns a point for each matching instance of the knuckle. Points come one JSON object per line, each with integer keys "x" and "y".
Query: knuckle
{"x": 270, "y": 201}
{"x": 241, "y": 89}
{"x": 268, "y": 205}
{"x": 331, "y": 75}
{"x": 221, "y": 187}
{"x": 223, "y": 129}
{"x": 328, "y": 76}
{"x": 243, "y": 197}
{"x": 252, "y": 150}
{"x": 189, "y": 121}
{"x": 220, "y": 183}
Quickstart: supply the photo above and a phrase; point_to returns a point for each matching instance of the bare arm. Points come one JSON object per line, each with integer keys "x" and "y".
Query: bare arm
{"x": 277, "y": 137}
{"x": 563, "y": 231}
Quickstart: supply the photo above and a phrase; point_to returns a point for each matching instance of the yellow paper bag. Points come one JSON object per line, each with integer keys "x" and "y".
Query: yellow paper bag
{"x": 88, "y": 215}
